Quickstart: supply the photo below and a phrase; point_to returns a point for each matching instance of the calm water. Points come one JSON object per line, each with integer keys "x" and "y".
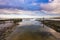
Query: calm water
{"x": 30, "y": 30}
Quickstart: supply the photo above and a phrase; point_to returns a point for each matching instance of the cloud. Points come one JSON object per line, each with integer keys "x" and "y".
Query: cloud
{"x": 53, "y": 7}
{"x": 26, "y": 4}
{"x": 2, "y": 2}
{"x": 16, "y": 11}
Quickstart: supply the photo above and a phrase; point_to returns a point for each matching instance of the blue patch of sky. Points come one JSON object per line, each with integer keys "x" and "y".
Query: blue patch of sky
{"x": 28, "y": 4}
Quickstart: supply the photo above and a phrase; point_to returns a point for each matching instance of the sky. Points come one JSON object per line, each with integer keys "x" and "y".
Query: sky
{"x": 25, "y": 4}
{"x": 48, "y": 6}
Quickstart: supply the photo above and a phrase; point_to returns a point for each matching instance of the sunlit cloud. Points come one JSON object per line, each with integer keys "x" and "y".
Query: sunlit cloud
{"x": 50, "y": 6}
{"x": 16, "y": 11}
{"x": 53, "y": 7}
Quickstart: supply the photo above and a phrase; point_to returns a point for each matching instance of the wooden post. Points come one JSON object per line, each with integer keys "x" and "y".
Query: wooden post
{"x": 43, "y": 22}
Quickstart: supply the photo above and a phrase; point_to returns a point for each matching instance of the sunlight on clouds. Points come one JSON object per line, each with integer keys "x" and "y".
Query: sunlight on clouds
{"x": 53, "y": 7}
{"x": 16, "y": 11}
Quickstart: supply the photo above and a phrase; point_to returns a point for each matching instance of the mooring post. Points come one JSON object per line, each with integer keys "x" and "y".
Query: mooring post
{"x": 43, "y": 22}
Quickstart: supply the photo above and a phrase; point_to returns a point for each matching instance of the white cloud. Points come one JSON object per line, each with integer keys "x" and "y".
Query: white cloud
{"x": 53, "y": 7}
{"x": 16, "y": 11}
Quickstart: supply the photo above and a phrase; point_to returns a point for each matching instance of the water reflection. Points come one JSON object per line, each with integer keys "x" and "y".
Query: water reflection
{"x": 30, "y": 30}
